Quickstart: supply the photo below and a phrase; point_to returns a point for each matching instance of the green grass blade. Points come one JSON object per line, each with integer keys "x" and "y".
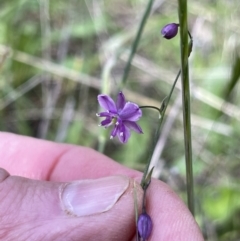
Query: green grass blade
{"x": 235, "y": 76}
{"x": 136, "y": 42}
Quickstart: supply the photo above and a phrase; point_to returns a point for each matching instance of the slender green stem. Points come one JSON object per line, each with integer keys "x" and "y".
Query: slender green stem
{"x": 163, "y": 110}
{"x": 182, "y": 11}
{"x": 151, "y": 107}
{"x": 136, "y": 42}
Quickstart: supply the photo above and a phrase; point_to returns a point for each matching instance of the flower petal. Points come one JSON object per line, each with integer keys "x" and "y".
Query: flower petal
{"x": 105, "y": 114}
{"x": 114, "y": 131}
{"x": 130, "y": 112}
{"x": 123, "y": 133}
{"x": 107, "y": 122}
{"x": 107, "y": 103}
{"x": 120, "y": 101}
{"x": 133, "y": 126}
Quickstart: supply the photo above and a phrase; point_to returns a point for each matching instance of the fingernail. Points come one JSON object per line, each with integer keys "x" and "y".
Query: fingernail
{"x": 87, "y": 197}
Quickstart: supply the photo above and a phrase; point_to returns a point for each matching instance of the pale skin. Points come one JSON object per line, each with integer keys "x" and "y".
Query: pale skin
{"x": 32, "y": 173}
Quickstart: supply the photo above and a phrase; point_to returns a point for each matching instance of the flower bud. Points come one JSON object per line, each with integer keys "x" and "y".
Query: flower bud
{"x": 170, "y": 30}
{"x": 144, "y": 226}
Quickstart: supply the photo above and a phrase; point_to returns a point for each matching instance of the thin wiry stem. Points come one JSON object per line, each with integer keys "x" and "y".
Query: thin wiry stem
{"x": 136, "y": 42}
{"x": 163, "y": 110}
{"x": 166, "y": 128}
{"x": 151, "y": 107}
{"x": 182, "y": 11}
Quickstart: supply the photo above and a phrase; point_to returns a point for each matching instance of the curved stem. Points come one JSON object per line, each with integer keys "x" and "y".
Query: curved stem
{"x": 151, "y": 107}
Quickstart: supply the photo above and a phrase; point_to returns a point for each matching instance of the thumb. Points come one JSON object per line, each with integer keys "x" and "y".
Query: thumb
{"x": 97, "y": 209}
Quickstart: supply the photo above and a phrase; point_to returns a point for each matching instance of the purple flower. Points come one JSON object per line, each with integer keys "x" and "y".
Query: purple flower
{"x": 123, "y": 115}
{"x": 144, "y": 226}
{"x": 170, "y": 30}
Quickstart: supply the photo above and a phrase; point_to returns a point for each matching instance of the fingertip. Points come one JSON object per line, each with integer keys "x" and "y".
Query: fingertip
{"x": 3, "y": 174}
{"x": 172, "y": 219}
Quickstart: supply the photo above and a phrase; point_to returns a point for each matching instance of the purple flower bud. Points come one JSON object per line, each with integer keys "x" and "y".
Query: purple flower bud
{"x": 170, "y": 30}
{"x": 144, "y": 225}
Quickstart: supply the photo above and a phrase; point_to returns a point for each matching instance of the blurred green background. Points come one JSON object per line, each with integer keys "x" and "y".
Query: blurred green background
{"x": 57, "y": 56}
